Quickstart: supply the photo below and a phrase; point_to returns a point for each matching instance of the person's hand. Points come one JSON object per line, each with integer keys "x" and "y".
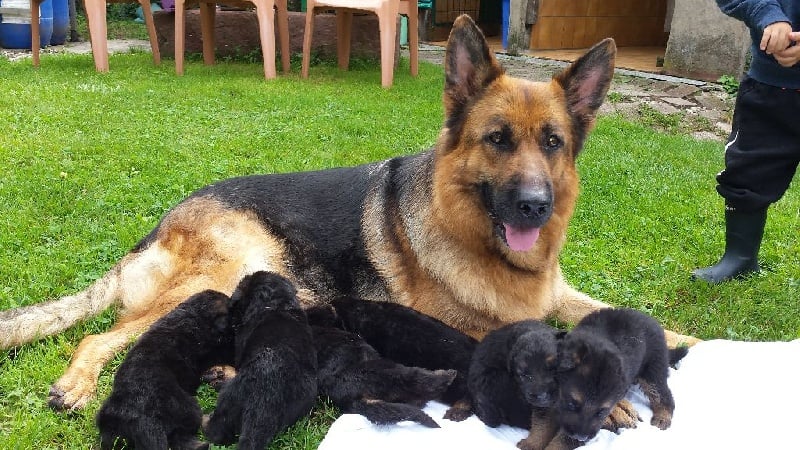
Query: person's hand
{"x": 790, "y": 56}
{"x": 776, "y": 37}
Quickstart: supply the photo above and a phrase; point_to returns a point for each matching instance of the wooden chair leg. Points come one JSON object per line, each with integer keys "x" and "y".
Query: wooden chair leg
{"x": 413, "y": 38}
{"x": 266, "y": 29}
{"x": 36, "y": 40}
{"x": 308, "y": 32}
{"x": 151, "y": 30}
{"x": 180, "y": 35}
{"x": 282, "y": 11}
{"x": 208, "y": 13}
{"x": 96, "y": 16}
{"x": 387, "y": 21}
{"x": 344, "y": 25}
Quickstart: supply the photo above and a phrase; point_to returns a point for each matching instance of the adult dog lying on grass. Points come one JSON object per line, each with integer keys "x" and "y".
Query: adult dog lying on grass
{"x": 468, "y": 232}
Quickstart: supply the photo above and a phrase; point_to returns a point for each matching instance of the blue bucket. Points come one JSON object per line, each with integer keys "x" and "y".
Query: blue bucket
{"x": 504, "y": 24}
{"x": 60, "y": 22}
{"x": 15, "y": 32}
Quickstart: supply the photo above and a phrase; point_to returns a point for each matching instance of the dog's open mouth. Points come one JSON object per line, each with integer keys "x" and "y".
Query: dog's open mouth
{"x": 517, "y": 239}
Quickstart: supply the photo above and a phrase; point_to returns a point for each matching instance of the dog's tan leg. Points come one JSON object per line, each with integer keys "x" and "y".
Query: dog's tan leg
{"x": 563, "y": 442}
{"x": 624, "y": 415}
{"x": 662, "y": 413}
{"x": 78, "y": 384}
{"x": 675, "y": 339}
{"x": 572, "y": 305}
{"x": 544, "y": 427}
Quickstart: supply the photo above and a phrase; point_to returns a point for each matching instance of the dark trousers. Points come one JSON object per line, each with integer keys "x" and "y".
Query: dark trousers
{"x": 763, "y": 150}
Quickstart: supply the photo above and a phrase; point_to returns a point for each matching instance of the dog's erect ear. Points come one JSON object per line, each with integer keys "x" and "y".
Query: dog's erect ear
{"x": 586, "y": 83}
{"x": 469, "y": 66}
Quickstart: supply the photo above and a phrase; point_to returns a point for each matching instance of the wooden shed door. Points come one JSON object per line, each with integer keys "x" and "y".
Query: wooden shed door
{"x": 582, "y": 23}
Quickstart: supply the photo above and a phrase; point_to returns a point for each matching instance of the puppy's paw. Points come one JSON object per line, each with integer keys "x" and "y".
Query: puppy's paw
{"x": 217, "y": 376}
{"x": 457, "y": 413}
{"x": 624, "y": 415}
{"x": 528, "y": 444}
{"x": 661, "y": 420}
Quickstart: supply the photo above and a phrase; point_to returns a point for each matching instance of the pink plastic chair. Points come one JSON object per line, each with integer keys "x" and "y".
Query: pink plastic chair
{"x": 265, "y": 12}
{"x": 98, "y": 33}
{"x": 387, "y": 11}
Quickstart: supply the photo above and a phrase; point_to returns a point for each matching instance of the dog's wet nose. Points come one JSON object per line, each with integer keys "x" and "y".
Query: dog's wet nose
{"x": 534, "y": 206}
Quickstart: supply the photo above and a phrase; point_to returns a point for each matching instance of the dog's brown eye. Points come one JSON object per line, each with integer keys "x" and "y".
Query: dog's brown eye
{"x": 500, "y": 139}
{"x": 553, "y": 142}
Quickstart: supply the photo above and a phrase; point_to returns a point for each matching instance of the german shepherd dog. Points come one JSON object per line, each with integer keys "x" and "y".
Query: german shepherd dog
{"x": 468, "y": 232}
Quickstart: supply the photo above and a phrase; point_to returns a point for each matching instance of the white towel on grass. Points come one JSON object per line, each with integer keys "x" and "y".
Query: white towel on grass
{"x": 728, "y": 395}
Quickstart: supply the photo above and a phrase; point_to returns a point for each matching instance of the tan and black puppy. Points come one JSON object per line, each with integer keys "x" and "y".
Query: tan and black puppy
{"x": 152, "y": 403}
{"x": 276, "y": 365}
{"x": 512, "y": 379}
{"x": 601, "y": 358}
{"x": 409, "y": 337}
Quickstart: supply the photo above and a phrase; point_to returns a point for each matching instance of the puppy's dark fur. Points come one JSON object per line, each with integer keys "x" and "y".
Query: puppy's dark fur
{"x": 358, "y": 380}
{"x": 152, "y": 404}
{"x": 276, "y": 378}
{"x": 411, "y": 338}
{"x": 607, "y": 352}
{"x": 512, "y": 378}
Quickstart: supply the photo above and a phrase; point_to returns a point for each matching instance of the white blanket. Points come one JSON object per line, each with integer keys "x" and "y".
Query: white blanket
{"x": 728, "y": 395}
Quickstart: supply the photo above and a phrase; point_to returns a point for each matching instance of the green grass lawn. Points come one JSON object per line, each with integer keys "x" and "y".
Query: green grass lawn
{"x": 91, "y": 161}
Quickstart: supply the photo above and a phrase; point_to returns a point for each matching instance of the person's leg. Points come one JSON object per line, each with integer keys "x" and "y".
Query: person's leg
{"x": 761, "y": 158}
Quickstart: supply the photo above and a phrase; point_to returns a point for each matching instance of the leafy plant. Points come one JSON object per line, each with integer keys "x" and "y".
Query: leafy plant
{"x": 729, "y": 84}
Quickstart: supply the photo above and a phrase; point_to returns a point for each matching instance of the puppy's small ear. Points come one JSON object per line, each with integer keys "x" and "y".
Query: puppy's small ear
{"x": 571, "y": 354}
{"x": 222, "y": 323}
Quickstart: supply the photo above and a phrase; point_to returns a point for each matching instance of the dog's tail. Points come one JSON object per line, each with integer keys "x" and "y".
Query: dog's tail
{"x": 676, "y": 354}
{"x": 387, "y": 413}
{"x": 27, "y": 323}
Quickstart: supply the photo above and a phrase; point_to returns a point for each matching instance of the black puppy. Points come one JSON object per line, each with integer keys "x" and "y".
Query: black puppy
{"x": 152, "y": 403}
{"x": 276, "y": 365}
{"x": 411, "y": 338}
{"x": 512, "y": 379}
{"x": 358, "y": 380}
{"x": 601, "y": 358}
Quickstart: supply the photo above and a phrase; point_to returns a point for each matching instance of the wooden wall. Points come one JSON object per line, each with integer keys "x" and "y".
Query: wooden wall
{"x": 581, "y": 23}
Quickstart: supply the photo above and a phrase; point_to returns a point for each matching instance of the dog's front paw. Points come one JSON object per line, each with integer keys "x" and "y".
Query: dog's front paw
{"x": 624, "y": 415}
{"x": 66, "y": 396}
{"x": 528, "y": 444}
{"x": 457, "y": 413}
{"x": 217, "y": 376}
{"x": 661, "y": 420}
{"x": 675, "y": 339}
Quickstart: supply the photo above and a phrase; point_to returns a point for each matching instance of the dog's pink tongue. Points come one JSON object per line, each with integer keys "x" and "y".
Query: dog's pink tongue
{"x": 520, "y": 240}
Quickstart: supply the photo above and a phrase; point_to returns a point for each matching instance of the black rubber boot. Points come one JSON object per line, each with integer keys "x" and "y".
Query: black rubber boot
{"x": 743, "y": 232}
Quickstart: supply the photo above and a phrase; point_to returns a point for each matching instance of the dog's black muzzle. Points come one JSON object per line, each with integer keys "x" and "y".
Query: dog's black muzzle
{"x": 522, "y": 207}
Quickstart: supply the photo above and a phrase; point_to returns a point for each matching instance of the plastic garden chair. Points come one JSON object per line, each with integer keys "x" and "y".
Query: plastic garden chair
{"x": 265, "y": 12}
{"x": 96, "y": 17}
{"x": 387, "y": 11}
